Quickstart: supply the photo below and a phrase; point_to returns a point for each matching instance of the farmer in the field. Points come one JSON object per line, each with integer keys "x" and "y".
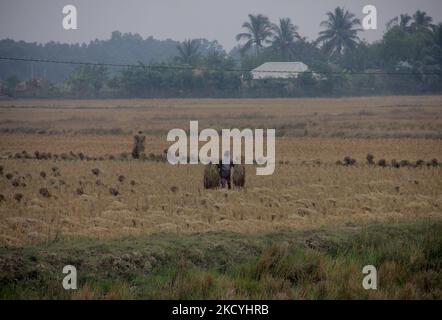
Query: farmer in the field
{"x": 224, "y": 168}
{"x": 138, "y": 148}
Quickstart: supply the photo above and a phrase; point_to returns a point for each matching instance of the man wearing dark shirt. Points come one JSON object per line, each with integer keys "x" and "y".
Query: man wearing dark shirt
{"x": 224, "y": 168}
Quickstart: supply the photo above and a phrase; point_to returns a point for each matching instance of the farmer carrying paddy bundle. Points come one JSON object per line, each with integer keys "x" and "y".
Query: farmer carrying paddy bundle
{"x": 216, "y": 175}
{"x": 138, "y": 148}
{"x": 224, "y": 168}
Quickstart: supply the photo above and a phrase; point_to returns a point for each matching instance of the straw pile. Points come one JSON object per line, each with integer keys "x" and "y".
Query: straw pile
{"x": 211, "y": 176}
{"x": 239, "y": 175}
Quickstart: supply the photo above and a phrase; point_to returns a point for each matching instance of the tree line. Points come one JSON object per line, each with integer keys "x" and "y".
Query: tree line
{"x": 407, "y": 60}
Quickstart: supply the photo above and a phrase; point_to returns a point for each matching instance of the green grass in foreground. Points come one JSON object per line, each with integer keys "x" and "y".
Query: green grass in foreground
{"x": 315, "y": 264}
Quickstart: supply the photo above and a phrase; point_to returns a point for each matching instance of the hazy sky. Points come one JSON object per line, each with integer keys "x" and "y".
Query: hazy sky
{"x": 41, "y": 20}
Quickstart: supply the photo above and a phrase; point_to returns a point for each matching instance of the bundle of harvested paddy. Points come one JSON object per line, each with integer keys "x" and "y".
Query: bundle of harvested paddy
{"x": 211, "y": 176}
{"x": 349, "y": 161}
{"x": 45, "y": 192}
{"x": 114, "y": 191}
{"x": 382, "y": 163}
{"x": 18, "y": 196}
{"x": 239, "y": 175}
{"x": 395, "y": 163}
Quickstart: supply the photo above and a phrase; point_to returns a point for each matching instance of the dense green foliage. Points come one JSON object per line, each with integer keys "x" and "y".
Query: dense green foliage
{"x": 121, "y": 48}
{"x": 312, "y": 264}
{"x": 412, "y": 46}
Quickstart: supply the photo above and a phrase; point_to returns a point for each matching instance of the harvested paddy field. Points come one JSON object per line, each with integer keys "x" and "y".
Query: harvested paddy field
{"x": 87, "y": 189}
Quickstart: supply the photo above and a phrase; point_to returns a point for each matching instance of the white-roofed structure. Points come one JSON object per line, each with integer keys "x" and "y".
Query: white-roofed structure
{"x": 278, "y": 70}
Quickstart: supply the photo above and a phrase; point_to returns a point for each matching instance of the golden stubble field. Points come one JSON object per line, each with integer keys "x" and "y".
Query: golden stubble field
{"x": 394, "y": 117}
{"x": 307, "y": 190}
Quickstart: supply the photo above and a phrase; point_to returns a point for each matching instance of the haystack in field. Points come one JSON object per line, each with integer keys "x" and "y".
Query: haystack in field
{"x": 211, "y": 176}
{"x": 239, "y": 175}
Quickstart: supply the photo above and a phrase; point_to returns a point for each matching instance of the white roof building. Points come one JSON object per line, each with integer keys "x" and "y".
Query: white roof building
{"x": 278, "y": 70}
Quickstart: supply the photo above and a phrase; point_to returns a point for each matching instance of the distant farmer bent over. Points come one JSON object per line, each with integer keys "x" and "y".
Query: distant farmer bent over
{"x": 138, "y": 148}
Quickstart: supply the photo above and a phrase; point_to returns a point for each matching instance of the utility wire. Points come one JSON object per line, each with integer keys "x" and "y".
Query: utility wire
{"x": 186, "y": 67}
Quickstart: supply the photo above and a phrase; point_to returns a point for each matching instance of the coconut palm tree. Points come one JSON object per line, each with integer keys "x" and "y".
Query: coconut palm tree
{"x": 284, "y": 37}
{"x": 421, "y": 21}
{"x": 341, "y": 32}
{"x": 188, "y": 52}
{"x": 258, "y": 31}
{"x": 403, "y": 22}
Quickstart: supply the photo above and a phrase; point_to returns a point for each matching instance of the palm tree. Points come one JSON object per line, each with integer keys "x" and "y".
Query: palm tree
{"x": 341, "y": 32}
{"x": 284, "y": 37}
{"x": 258, "y": 30}
{"x": 421, "y": 20}
{"x": 403, "y": 22}
{"x": 188, "y": 52}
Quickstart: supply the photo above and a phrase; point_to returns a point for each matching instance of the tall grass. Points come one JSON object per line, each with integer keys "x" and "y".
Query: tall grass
{"x": 321, "y": 264}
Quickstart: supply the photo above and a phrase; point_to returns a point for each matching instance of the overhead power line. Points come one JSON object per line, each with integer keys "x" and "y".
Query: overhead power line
{"x": 202, "y": 68}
